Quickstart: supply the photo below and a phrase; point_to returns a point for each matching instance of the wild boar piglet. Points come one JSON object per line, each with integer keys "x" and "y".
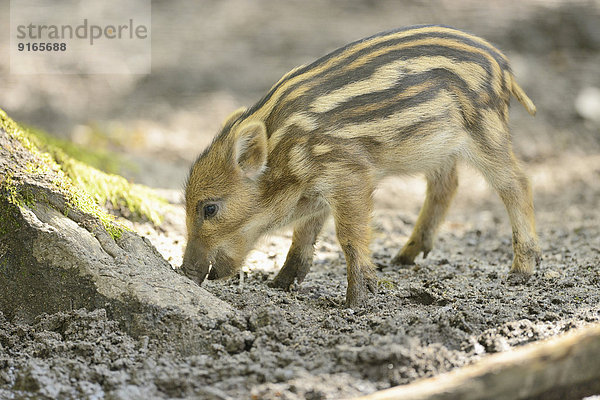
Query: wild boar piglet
{"x": 413, "y": 100}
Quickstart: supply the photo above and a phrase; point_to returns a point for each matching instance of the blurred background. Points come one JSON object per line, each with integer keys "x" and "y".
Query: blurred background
{"x": 210, "y": 57}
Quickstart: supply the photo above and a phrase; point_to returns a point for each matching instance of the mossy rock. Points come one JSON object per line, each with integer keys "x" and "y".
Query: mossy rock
{"x": 59, "y": 250}
{"x": 86, "y": 187}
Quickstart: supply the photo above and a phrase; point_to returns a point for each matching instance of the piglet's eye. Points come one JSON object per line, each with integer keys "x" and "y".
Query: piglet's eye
{"x": 210, "y": 210}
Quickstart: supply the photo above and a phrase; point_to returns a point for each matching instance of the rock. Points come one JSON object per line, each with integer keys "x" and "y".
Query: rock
{"x": 551, "y": 274}
{"x": 587, "y": 104}
{"x": 55, "y": 256}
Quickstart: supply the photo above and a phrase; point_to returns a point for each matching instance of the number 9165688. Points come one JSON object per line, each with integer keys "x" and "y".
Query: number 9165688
{"x": 42, "y": 46}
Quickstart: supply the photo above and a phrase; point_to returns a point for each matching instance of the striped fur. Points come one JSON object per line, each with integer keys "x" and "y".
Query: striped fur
{"x": 414, "y": 100}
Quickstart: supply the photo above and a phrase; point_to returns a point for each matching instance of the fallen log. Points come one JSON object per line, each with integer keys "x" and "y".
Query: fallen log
{"x": 565, "y": 367}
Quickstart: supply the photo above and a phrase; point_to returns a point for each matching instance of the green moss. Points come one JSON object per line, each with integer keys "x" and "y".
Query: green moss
{"x": 7, "y": 220}
{"x": 14, "y": 130}
{"x": 140, "y": 200}
{"x": 13, "y": 194}
{"x": 84, "y": 186}
{"x": 100, "y": 159}
{"x": 10, "y": 193}
{"x": 386, "y": 284}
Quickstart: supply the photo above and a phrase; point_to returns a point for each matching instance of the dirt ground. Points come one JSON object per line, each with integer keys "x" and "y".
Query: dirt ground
{"x": 448, "y": 310}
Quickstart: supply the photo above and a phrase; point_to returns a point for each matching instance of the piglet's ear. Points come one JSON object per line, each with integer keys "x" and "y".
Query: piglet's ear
{"x": 250, "y": 149}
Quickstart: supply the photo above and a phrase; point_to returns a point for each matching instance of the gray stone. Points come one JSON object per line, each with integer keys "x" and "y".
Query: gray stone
{"x": 587, "y": 103}
{"x": 52, "y": 260}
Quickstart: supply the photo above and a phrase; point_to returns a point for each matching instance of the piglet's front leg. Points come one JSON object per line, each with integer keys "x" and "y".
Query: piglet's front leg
{"x": 300, "y": 256}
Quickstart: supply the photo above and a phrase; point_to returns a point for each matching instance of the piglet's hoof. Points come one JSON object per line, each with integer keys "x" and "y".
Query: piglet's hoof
{"x": 357, "y": 295}
{"x": 281, "y": 283}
